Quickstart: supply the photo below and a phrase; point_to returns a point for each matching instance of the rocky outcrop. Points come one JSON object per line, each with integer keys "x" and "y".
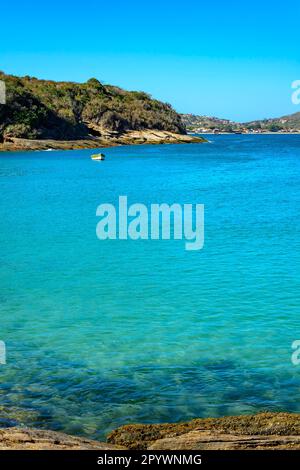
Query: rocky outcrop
{"x": 127, "y": 138}
{"x": 261, "y": 431}
{"x": 45, "y": 109}
{"x": 210, "y": 440}
{"x": 34, "y": 439}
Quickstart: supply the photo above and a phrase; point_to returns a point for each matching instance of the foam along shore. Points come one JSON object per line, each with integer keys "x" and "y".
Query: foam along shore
{"x": 263, "y": 431}
{"x": 127, "y": 138}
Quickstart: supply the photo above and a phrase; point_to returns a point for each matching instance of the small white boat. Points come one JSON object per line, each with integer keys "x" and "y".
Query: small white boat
{"x": 98, "y": 156}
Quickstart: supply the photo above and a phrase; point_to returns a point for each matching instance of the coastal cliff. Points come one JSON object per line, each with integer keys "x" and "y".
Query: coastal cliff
{"x": 263, "y": 431}
{"x": 90, "y": 113}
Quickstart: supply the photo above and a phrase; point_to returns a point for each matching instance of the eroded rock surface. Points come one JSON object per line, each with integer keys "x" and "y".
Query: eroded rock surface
{"x": 34, "y": 439}
{"x": 210, "y": 440}
{"x": 276, "y": 431}
{"x": 260, "y": 431}
{"x": 126, "y": 138}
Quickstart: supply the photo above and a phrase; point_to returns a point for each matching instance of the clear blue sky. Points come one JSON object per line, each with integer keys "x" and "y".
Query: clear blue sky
{"x": 230, "y": 59}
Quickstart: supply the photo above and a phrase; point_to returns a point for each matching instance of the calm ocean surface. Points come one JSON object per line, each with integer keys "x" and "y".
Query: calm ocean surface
{"x": 103, "y": 333}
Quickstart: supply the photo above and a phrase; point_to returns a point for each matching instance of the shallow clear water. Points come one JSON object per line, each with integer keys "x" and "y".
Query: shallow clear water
{"x": 102, "y": 333}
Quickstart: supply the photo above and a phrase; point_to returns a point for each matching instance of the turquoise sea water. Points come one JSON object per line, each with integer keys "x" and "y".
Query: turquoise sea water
{"x": 102, "y": 333}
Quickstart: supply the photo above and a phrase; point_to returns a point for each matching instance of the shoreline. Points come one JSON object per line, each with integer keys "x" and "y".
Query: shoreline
{"x": 244, "y": 133}
{"x": 261, "y": 431}
{"x": 146, "y": 137}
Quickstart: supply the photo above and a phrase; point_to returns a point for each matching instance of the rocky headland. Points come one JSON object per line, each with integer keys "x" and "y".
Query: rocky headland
{"x": 44, "y": 114}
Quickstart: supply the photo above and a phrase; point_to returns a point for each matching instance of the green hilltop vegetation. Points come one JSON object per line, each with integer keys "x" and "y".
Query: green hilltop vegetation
{"x": 287, "y": 123}
{"x": 44, "y": 109}
{"x": 202, "y": 124}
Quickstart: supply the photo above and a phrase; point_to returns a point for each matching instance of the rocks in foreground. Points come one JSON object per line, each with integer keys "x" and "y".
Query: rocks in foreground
{"x": 209, "y": 440}
{"x": 263, "y": 431}
{"x": 260, "y": 431}
{"x": 34, "y": 439}
{"x": 127, "y": 138}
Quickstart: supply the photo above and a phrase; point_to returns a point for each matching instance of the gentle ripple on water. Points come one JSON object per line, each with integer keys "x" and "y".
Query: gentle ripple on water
{"x": 105, "y": 333}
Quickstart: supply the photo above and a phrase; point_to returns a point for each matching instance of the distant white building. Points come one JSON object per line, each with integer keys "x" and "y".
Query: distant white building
{"x": 2, "y": 92}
